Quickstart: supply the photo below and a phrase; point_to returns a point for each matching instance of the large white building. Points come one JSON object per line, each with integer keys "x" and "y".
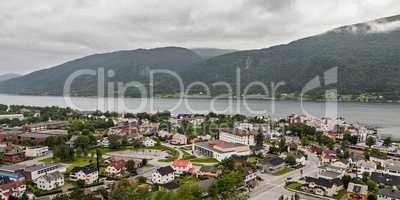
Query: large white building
{"x": 12, "y": 116}
{"x": 238, "y": 136}
{"x": 35, "y": 171}
{"x": 33, "y": 152}
{"x": 50, "y": 181}
{"x": 221, "y": 150}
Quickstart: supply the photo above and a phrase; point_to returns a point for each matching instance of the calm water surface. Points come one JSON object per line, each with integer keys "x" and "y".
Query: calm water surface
{"x": 384, "y": 116}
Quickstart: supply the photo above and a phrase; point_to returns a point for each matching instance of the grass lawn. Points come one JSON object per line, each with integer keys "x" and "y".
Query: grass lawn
{"x": 294, "y": 185}
{"x": 204, "y": 160}
{"x": 187, "y": 156}
{"x": 186, "y": 180}
{"x": 340, "y": 195}
{"x": 252, "y": 159}
{"x": 78, "y": 162}
{"x": 283, "y": 171}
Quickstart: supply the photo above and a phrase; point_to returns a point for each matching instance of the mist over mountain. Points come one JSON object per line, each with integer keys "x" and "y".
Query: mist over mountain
{"x": 211, "y": 52}
{"x": 8, "y": 76}
{"x": 367, "y": 56}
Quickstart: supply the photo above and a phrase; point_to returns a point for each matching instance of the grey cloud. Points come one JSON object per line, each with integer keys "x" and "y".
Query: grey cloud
{"x": 38, "y": 34}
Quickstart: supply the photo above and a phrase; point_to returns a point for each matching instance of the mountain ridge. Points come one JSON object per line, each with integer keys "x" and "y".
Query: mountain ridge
{"x": 367, "y": 62}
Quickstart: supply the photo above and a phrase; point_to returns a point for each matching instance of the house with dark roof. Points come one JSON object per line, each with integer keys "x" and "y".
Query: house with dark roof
{"x": 321, "y": 186}
{"x": 210, "y": 171}
{"x": 385, "y": 179}
{"x": 171, "y": 186}
{"x": 50, "y": 181}
{"x": 87, "y": 174}
{"x": 270, "y": 164}
{"x": 163, "y": 175}
{"x": 357, "y": 192}
{"x": 388, "y": 194}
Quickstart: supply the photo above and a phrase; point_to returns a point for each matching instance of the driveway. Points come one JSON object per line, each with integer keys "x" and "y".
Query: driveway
{"x": 274, "y": 186}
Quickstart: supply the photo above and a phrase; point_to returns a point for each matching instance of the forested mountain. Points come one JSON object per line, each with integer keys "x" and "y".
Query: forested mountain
{"x": 367, "y": 56}
{"x": 126, "y": 65}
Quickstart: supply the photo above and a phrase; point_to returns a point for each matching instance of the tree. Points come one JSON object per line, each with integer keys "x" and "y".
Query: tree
{"x": 290, "y": 159}
{"x": 190, "y": 192}
{"x": 282, "y": 145}
{"x": 3, "y": 107}
{"x": 83, "y": 144}
{"x": 370, "y": 141}
{"x": 346, "y": 180}
{"x": 144, "y": 162}
{"x": 64, "y": 153}
{"x": 130, "y": 167}
{"x": 226, "y": 186}
{"x": 260, "y": 140}
{"x": 115, "y": 141}
{"x": 387, "y": 142}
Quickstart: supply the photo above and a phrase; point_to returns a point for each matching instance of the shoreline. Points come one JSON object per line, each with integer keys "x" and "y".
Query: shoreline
{"x": 219, "y": 98}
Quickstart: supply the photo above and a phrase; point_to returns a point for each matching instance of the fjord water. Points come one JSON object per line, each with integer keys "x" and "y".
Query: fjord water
{"x": 384, "y": 116}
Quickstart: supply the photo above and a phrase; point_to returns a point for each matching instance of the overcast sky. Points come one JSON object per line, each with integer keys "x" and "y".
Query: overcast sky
{"x": 36, "y": 34}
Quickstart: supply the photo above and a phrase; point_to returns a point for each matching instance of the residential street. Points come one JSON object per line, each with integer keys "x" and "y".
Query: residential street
{"x": 274, "y": 186}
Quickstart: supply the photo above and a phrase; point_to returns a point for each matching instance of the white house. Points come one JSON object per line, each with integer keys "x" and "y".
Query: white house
{"x": 365, "y": 166}
{"x": 238, "y": 136}
{"x": 179, "y": 139}
{"x": 392, "y": 167}
{"x": 301, "y": 159}
{"x": 87, "y": 174}
{"x": 163, "y": 175}
{"x": 148, "y": 142}
{"x": 182, "y": 166}
{"x": 50, "y": 181}
{"x": 34, "y": 152}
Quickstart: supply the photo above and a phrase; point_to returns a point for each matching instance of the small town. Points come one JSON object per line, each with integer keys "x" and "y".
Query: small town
{"x": 59, "y": 153}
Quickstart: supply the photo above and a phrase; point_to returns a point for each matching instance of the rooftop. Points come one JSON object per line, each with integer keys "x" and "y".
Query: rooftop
{"x": 389, "y": 193}
{"x": 357, "y": 188}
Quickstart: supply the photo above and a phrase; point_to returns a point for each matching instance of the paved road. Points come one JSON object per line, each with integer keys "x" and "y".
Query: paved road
{"x": 176, "y": 148}
{"x": 273, "y": 187}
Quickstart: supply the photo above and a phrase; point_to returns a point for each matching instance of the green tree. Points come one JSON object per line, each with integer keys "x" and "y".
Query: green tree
{"x": 291, "y": 159}
{"x": 370, "y": 141}
{"x": 226, "y": 186}
{"x": 282, "y": 145}
{"x": 115, "y": 141}
{"x": 130, "y": 167}
{"x": 260, "y": 140}
{"x": 190, "y": 192}
{"x": 387, "y": 142}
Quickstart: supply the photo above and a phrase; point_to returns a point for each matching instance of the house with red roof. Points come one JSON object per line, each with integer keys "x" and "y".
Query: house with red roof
{"x": 116, "y": 168}
{"x": 10, "y": 188}
{"x": 182, "y": 166}
{"x": 328, "y": 156}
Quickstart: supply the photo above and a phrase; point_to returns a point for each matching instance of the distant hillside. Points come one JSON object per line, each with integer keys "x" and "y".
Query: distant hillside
{"x": 127, "y": 65}
{"x": 211, "y": 52}
{"x": 366, "y": 54}
{"x": 9, "y": 76}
